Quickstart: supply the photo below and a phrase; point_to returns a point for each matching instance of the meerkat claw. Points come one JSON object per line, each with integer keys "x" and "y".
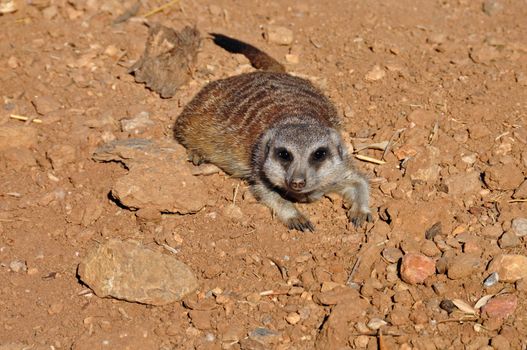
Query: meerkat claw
{"x": 300, "y": 224}
{"x": 358, "y": 218}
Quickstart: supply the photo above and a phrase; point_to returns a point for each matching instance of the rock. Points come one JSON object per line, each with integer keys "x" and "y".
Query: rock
{"x": 478, "y": 131}
{"x": 429, "y": 248}
{"x": 50, "y": 12}
{"x": 392, "y": 254}
{"x": 293, "y": 318}
{"x": 200, "y": 319}
{"x": 45, "y": 104}
{"x": 519, "y": 226}
{"x": 503, "y": 177}
{"x": 159, "y": 176}
{"x": 129, "y": 271}
{"x": 264, "y": 336}
{"x": 501, "y": 306}
{"x": 376, "y": 323}
{"x": 137, "y": 124}
{"x": 279, "y": 35}
{"x": 416, "y": 268}
{"x": 500, "y": 342}
{"x": 18, "y": 266}
{"x": 17, "y": 136}
{"x": 508, "y": 240}
{"x": 491, "y": 7}
{"x": 424, "y": 167}
{"x": 60, "y": 155}
{"x": 292, "y": 58}
{"x": 376, "y": 73}
{"x": 18, "y": 158}
{"x": 493, "y": 231}
{"x": 349, "y": 309}
{"x": 447, "y": 305}
{"x": 463, "y": 265}
{"x": 463, "y": 183}
{"x": 491, "y": 280}
{"x": 521, "y": 192}
{"x": 510, "y": 267}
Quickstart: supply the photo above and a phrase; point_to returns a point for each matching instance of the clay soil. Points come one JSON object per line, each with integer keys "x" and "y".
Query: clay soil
{"x": 443, "y": 81}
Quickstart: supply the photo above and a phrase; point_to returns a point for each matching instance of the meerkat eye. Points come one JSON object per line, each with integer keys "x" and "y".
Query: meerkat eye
{"x": 320, "y": 154}
{"x": 284, "y": 155}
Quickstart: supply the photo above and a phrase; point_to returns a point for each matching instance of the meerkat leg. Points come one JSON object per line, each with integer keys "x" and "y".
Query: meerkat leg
{"x": 284, "y": 209}
{"x": 195, "y": 157}
{"x": 356, "y": 192}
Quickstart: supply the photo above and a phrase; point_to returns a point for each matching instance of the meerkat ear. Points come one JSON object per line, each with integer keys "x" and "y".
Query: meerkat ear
{"x": 339, "y": 144}
{"x": 265, "y": 143}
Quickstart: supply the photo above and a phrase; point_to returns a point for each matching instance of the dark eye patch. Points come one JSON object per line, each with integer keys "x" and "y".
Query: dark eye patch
{"x": 320, "y": 154}
{"x": 284, "y": 155}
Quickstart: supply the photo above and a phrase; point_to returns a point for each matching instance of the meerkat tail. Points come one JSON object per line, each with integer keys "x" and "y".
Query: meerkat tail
{"x": 258, "y": 58}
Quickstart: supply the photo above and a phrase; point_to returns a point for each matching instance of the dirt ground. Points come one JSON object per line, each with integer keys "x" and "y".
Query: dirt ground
{"x": 443, "y": 82}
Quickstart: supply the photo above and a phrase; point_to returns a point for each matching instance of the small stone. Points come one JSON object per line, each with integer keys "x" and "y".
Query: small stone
{"x": 138, "y": 124}
{"x": 128, "y": 270}
{"x": 521, "y": 192}
{"x": 279, "y": 35}
{"x": 376, "y": 323}
{"x": 491, "y": 280}
{"x": 500, "y": 342}
{"x": 361, "y": 341}
{"x": 519, "y": 226}
{"x": 501, "y": 306}
{"x": 521, "y": 78}
{"x": 254, "y": 297}
{"x": 503, "y": 177}
{"x": 215, "y": 10}
{"x": 18, "y": 266}
{"x": 392, "y": 254}
{"x": 429, "y": 248}
{"x": 60, "y": 155}
{"x": 45, "y": 104}
{"x": 264, "y": 336}
{"x": 200, "y": 319}
{"x": 376, "y": 73}
{"x": 447, "y": 305}
{"x": 416, "y": 268}
{"x": 521, "y": 285}
{"x": 292, "y": 58}
{"x": 50, "y": 12}
{"x": 12, "y": 62}
{"x": 510, "y": 267}
{"x": 463, "y": 265}
{"x": 293, "y": 318}
{"x": 463, "y": 183}
{"x": 493, "y": 231}
{"x": 491, "y": 7}
{"x": 508, "y": 240}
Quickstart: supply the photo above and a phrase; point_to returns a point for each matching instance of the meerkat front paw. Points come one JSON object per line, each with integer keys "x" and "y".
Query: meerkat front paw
{"x": 358, "y": 216}
{"x": 300, "y": 223}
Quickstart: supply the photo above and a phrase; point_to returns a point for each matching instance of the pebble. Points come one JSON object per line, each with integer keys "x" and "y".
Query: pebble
{"x": 292, "y": 58}
{"x": 137, "y": 274}
{"x": 503, "y": 177}
{"x": 521, "y": 192}
{"x": 376, "y": 73}
{"x": 416, "y": 268}
{"x": 491, "y": 280}
{"x": 376, "y": 323}
{"x": 264, "y": 335}
{"x": 519, "y": 226}
{"x": 491, "y": 7}
{"x": 508, "y": 240}
{"x": 392, "y": 254}
{"x": 45, "y": 104}
{"x": 361, "y": 341}
{"x": 493, "y": 231}
{"x": 447, "y": 305}
{"x": 501, "y": 306}
{"x": 279, "y": 35}
{"x": 137, "y": 124}
{"x": 500, "y": 342}
{"x": 293, "y": 318}
{"x": 200, "y": 319}
{"x": 18, "y": 266}
{"x": 463, "y": 266}
{"x": 510, "y": 267}
{"x": 50, "y": 12}
{"x": 429, "y": 248}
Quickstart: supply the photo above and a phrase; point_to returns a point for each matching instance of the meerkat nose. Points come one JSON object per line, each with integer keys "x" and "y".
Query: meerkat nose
{"x": 297, "y": 183}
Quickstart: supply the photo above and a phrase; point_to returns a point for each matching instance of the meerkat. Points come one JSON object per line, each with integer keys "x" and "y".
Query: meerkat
{"x": 277, "y": 131}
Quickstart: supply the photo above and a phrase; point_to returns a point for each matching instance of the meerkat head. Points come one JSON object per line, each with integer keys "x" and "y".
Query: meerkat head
{"x": 301, "y": 158}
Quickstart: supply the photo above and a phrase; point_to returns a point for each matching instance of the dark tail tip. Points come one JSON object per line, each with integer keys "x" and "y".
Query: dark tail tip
{"x": 258, "y": 58}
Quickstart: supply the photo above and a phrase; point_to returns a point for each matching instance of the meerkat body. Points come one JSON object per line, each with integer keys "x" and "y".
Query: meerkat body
{"x": 277, "y": 131}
